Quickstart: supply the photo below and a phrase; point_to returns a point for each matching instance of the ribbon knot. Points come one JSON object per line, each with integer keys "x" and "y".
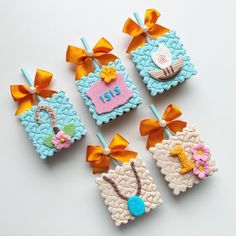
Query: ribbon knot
{"x": 25, "y": 95}
{"x": 100, "y": 159}
{"x": 155, "y": 129}
{"x": 84, "y": 60}
{"x": 139, "y": 33}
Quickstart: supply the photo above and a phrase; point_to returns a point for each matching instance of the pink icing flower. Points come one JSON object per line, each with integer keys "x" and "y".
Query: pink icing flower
{"x": 200, "y": 152}
{"x": 201, "y": 169}
{"x": 61, "y": 140}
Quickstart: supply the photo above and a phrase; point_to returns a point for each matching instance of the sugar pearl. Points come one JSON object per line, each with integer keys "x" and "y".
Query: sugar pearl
{"x": 163, "y": 123}
{"x": 32, "y": 90}
{"x": 106, "y": 151}
{"x": 145, "y": 28}
{"x": 89, "y": 53}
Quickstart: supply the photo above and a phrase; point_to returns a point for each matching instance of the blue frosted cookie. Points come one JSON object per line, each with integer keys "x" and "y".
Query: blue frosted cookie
{"x": 108, "y": 99}
{"x": 163, "y": 63}
{"x": 52, "y": 125}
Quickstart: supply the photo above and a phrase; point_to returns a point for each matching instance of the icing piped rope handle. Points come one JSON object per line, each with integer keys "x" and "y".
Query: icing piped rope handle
{"x": 113, "y": 184}
{"x": 51, "y": 113}
{"x": 135, "y": 203}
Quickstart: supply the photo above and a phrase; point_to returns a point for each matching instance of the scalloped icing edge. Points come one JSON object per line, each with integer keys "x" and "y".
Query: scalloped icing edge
{"x": 84, "y": 133}
{"x": 154, "y": 93}
{"x": 112, "y": 171}
{"x": 153, "y": 150}
{"x": 125, "y": 110}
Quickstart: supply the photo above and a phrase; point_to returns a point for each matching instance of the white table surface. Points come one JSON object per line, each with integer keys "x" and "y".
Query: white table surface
{"x": 59, "y": 196}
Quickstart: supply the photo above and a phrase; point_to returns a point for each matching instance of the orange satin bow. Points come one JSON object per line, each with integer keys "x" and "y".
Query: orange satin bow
{"x": 84, "y": 61}
{"x": 155, "y": 130}
{"x": 152, "y": 29}
{"x": 100, "y": 161}
{"x": 24, "y": 94}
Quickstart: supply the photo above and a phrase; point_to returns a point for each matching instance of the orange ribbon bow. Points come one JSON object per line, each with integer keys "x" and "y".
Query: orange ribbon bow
{"x": 100, "y": 160}
{"x": 155, "y": 129}
{"x": 25, "y": 95}
{"x": 83, "y": 59}
{"x": 139, "y": 33}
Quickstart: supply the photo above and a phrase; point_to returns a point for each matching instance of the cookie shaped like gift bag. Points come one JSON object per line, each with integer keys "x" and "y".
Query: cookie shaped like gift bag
{"x": 102, "y": 80}
{"x": 184, "y": 158}
{"x": 157, "y": 53}
{"x": 128, "y": 190}
{"x": 52, "y": 124}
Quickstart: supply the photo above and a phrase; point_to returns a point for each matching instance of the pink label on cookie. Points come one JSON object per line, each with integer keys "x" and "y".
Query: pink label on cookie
{"x": 106, "y": 97}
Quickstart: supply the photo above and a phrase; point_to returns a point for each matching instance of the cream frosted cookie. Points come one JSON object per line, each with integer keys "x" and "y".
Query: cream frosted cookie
{"x": 184, "y": 159}
{"x": 135, "y": 199}
{"x": 128, "y": 190}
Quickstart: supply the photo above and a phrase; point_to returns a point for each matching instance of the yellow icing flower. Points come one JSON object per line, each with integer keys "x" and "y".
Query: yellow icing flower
{"x": 108, "y": 74}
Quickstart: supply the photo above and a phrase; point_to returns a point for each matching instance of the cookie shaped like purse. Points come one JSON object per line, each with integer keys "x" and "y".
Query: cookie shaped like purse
{"x": 184, "y": 158}
{"x": 52, "y": 124}
{"x": 128, "y": 190}
{"x": 157, "y": 53}
{"x": 102, "y": 81}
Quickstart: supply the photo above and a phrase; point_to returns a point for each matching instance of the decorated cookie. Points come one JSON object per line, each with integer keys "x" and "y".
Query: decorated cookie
{"x": 103, "y": 82}
{"x": 52, "y": 124}
{"x": 184, "y": 158}
{"x": 128, "y": 190}
{"x": 157, "y": 53}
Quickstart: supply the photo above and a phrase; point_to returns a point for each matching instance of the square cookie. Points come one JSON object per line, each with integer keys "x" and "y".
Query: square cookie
{"x": 108, "y": 101}
{"x": 182, "y": 169}
{"x": 42, "y": 133}
{"x": 147, "y": 59}
{"x": 136, "y": 194}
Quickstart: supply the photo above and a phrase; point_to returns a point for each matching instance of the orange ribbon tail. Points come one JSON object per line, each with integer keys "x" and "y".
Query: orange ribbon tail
{"x": 155, "y": 132}
{"x": 22, "y": 95}
{"x": 84, "y": 62}
{"x": 139, "y": 35}
{"x": 100, "y": 162}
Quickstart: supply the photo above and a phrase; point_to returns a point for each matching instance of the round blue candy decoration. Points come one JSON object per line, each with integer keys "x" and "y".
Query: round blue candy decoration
{"x": 136, "y": 206}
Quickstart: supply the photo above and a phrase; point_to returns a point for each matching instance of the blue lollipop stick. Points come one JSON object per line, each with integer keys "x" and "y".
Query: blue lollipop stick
{"x": 141, "y": 24}
{"x": 158, "y": 117}
{"x": 105, "y": 146}
{"x": 138, "y": 19}
{"x": 88, "y": 49}
{"x": 29, "y": 81}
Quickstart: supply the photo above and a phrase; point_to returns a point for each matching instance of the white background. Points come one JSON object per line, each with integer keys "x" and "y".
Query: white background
{"x": 59, "y": 196}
